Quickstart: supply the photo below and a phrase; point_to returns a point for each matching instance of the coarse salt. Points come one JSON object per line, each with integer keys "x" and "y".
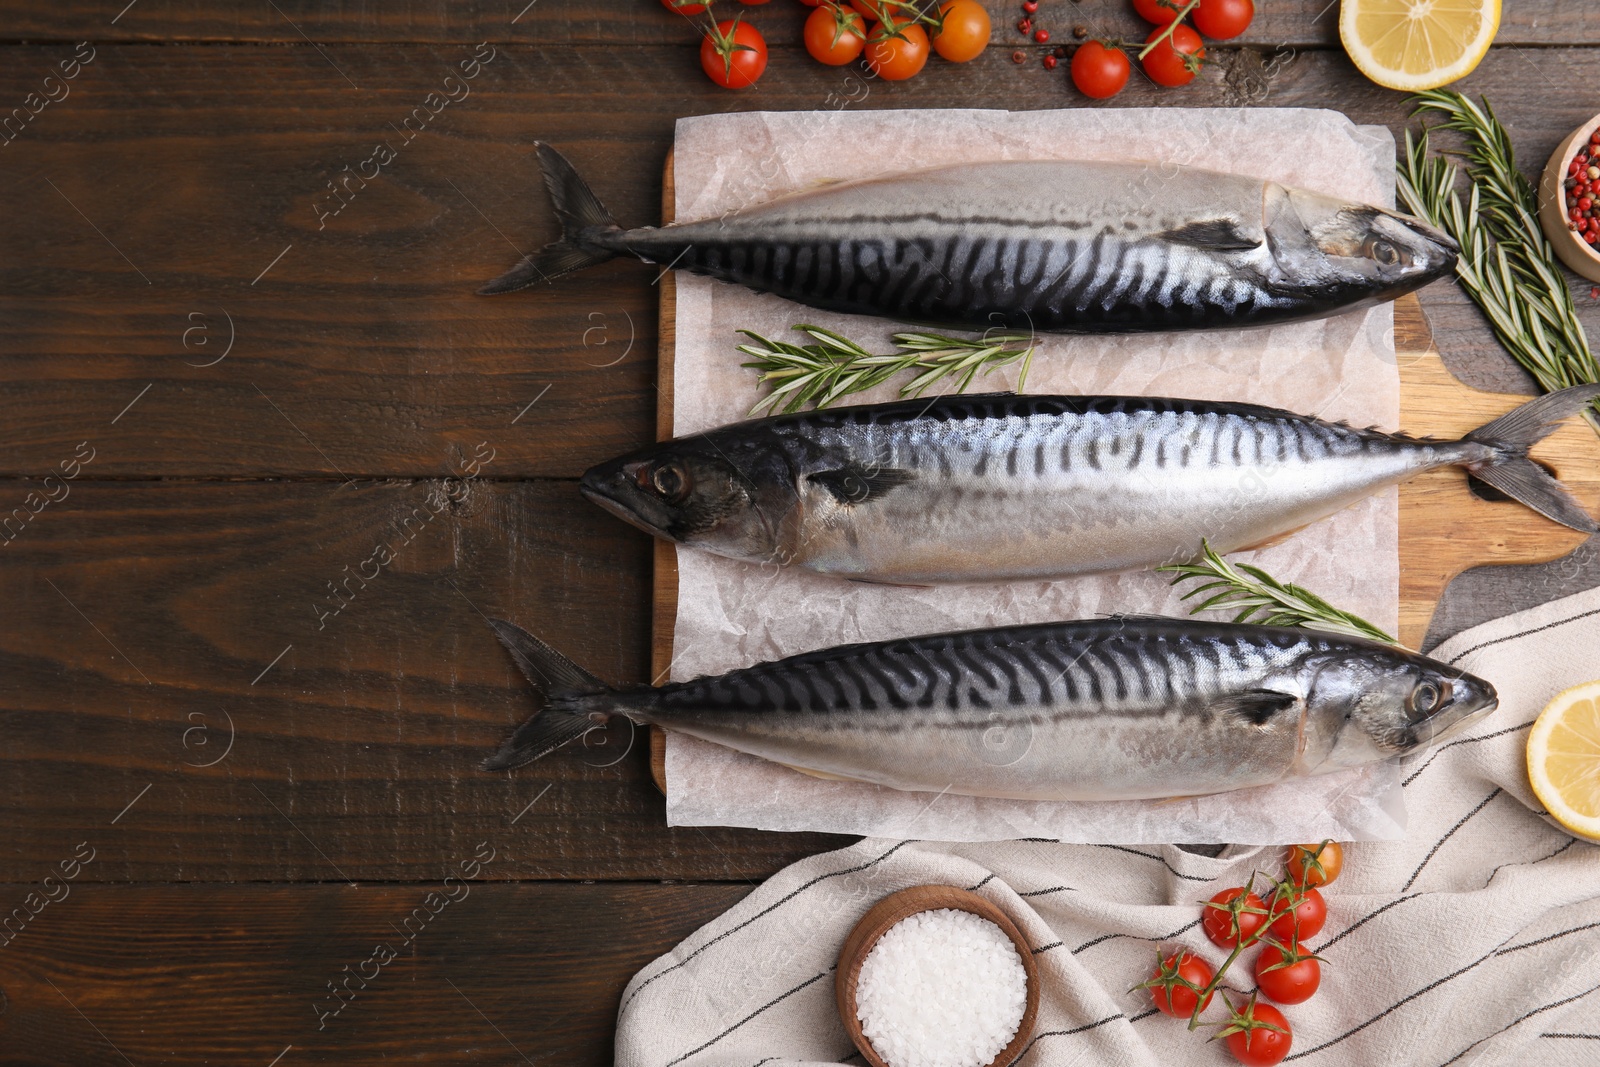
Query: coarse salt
{"x": 941, "y": 988}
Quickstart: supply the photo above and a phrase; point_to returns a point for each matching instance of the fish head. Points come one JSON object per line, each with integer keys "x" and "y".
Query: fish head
{"x": 726, "y": 496}
{"x": 1370, "y": 703}
{"x": 1335, "y": 247}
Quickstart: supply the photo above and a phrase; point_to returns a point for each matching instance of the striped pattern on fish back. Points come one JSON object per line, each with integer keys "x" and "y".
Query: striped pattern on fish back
{"x": 1042, "y": 437}
{"x": 919, "y": 268}
{"x": 1119, "y": 666}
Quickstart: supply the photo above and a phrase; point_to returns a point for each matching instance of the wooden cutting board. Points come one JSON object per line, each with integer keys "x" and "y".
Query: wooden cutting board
{"x": 1445, "y": 528}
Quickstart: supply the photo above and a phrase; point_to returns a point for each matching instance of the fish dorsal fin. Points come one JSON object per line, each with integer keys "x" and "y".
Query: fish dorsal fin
{"x": 857, "y": 485}
{"x": 1257, "y": 707}
{"x": 1216, "y": 235}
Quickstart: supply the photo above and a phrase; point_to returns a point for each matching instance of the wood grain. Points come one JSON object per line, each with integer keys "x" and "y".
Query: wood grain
{"x": 237, "y": 974}
{"x": 142, "y": 610}
{"x": 1445, "y": 527}
{"x": 1299, "y": 23}
{"x": 145, "y": 618}
{"x": 203, "y": 164}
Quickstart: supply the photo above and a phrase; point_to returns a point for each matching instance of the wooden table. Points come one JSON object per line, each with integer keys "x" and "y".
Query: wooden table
{"x": 248, "y": 351}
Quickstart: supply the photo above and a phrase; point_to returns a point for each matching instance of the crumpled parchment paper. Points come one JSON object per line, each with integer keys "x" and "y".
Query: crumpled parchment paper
{"x": 732, "y": 614}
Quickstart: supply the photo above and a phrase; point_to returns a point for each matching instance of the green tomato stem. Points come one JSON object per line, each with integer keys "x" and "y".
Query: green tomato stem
{"x": 1166, "y": 34}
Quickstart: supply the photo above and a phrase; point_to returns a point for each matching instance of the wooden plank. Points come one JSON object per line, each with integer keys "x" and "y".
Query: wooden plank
{"x": 366, "y": 334}
{"x": 1445, "y": 528}
{"x": 492, "y": 973}
{"x": 1299, "y": 23}
{"x": 155, "y": 628}
{"x": 664, "y": 580}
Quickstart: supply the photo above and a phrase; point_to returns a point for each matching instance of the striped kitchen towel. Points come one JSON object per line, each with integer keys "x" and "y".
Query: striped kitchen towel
{"x": 1476, "y": 940}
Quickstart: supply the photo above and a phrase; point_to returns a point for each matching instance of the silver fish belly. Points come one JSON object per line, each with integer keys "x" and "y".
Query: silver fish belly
{"x": 1073, "y": 247}
{"x": 1039, "y": 488}
{"x": 1109, "y": 709}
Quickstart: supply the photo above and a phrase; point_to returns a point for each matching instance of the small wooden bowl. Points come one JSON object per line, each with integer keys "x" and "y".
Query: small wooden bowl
{"x": 1574, "y": 251}
{"x": 897, "y": 906}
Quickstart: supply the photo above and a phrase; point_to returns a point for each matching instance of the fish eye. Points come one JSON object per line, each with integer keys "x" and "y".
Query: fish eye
{"x": 1428, "y": 697}
{"x": 670, "y": 480}
{"x": 1385, "y": 253}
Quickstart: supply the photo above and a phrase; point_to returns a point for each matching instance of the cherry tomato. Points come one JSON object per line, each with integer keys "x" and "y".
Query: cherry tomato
{"x": 1157, "y": 12}
{"x": 1315, "y": 864}
{"x": 897, "y": 58}
{"x": 683, "y": 7}
{"x": 834, "y": 35}
{"x": 1099, "y": 71}
{"x": 965, "y": 31}
{"x": 1285, "y": 978}
{"x": 1219, "y": 922}
{"x": 1175, "y": 999}
{"x": 1297, "y": 914}
{"x": 1221, "y": 19}
{"x": 1257, "y": 1045}
{"x": 735, "y": 55}
{"x": 1166, "y": 64}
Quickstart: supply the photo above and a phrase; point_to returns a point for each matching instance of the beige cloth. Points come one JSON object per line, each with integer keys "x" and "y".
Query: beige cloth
{"x": 1475, "y": 940}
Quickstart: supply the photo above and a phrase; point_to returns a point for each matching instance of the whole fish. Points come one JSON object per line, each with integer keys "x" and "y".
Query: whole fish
{"x": 1110, "y": 709}
{"x": 1069, "y": 247}
{"x": 1002, "y": 487}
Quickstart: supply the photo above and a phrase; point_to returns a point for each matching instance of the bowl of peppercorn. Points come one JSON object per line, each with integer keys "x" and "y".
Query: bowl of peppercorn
{"x": 1569, "y": 200}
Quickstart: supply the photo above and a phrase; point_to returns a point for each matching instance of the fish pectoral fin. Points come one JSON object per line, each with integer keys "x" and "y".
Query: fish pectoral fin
{"x": 857, "y": 485}
{"x": 824, "y": 775}
{"x": 1215, "y": 235}
{"x": 1255, "y": 706}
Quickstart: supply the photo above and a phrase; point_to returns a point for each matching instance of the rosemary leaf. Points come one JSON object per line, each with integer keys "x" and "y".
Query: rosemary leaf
{"x": 833, "y": 366}
{"x": 1263, "y": 599}
{"x": 1506, "y": 265}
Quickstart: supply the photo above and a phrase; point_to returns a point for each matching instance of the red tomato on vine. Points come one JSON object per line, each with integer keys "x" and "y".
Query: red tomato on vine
{"x": 1157, "y": 12}
{"x": 1176, "y": 60}
{"x": 1258, "y": 1035}
{"x": 1297, "y": 913}
{"x": 734, "y": 54}
{"x": 1228, "y": 918}
{"x": 1287, "y": 975}
{"x": 896, "y": 58}
{"x": 1099, "y": 70}
{"x": 835, "y": 35}
{"x": 1223, "y": 19}
{"x": 963, "y": 32}
{"x": 1175, "y": 983}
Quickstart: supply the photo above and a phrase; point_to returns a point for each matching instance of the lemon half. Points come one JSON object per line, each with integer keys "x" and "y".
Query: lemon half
{"x": 1417, "y": 44}
{"x": 1564, "y": 759}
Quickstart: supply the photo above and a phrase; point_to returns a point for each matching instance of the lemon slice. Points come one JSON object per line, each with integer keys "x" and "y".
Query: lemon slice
{"x": 1564, "y": 759}
{"x": 1417, "y": 44}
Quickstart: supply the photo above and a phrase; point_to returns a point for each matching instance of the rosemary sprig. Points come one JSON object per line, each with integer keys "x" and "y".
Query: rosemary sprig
{"x": 1506, "y": 265}
{"x": 834, "y": 366}
{"x": 1262, "y": 598}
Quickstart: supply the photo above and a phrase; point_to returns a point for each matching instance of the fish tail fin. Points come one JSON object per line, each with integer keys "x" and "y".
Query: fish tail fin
{"x": 1511, "y": 471}
{"x": 564, "y": 688}
{"x": 581, "y": 215}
